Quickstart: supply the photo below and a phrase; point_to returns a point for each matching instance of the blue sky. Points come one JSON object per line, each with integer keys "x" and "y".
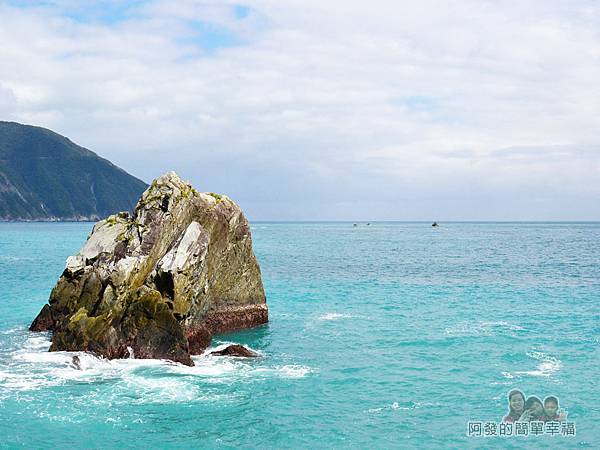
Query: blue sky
{"x": 338, "y": 110}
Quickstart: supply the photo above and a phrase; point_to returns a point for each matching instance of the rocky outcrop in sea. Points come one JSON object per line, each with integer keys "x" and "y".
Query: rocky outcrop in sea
{"x": 159, "y": 283}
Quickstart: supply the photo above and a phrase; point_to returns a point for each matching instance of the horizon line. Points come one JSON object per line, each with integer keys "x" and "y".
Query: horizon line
{"x": 358, "y": 222}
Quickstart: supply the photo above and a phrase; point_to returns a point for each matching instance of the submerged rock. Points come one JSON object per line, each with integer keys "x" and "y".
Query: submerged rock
{"x": 160, "y": 281}
{"x": 76, "y": 363}
{"x": 235, "y": 350}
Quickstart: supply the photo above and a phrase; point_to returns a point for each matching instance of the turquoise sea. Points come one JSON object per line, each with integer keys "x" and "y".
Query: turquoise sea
{"x": 393, "y": 335}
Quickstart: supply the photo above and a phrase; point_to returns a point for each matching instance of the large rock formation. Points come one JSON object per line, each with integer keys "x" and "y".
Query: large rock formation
{"x": 159, "y": 283}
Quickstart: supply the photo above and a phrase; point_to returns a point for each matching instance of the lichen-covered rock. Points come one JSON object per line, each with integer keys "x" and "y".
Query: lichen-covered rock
{"x": 161, "y": 282}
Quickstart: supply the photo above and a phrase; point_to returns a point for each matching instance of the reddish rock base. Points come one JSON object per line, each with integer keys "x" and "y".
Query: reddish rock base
{"x": 224, "y": 321}
{"x": 236, "y": 318}
{"x": 199, "y": 339}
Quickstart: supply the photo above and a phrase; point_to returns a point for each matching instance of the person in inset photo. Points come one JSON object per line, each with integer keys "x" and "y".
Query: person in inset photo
{"x": 552, "y": 412}
{"x": 516, "y": 404}
{"x": 533, "y": 410}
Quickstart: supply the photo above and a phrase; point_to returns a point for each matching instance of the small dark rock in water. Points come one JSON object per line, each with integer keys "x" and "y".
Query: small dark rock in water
{"x": 434, "y": 224}
{"x": 76, "y": 363}
{"x": 235, "y": 350}
{"x": 368, "y": 224}
{"x": 354, "y": 225}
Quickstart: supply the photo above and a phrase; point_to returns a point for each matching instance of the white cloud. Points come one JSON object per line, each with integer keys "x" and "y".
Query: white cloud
{"x": 314, "y": 109}
{"x": 7, "y": 100}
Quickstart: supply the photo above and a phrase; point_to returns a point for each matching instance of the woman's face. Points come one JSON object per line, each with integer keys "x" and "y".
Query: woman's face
{"x": 516, "y": 403}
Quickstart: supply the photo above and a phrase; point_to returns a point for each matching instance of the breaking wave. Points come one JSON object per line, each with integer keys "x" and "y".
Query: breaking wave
{"x": 31, "y": 367}
{"x": 334, "y": 316}
{"x": 547, "y": 366}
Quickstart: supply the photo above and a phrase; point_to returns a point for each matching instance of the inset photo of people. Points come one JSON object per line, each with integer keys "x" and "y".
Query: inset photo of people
{"x": 522, "y": 409}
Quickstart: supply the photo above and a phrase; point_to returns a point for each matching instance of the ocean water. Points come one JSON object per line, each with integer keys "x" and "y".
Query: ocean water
{"x": 393, "y": 335}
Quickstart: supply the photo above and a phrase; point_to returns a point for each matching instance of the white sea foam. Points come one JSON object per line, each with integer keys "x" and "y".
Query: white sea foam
{"x": 396, "y": 406}
{"x": 37, "y": 342}
{"x": 217, "y": 369}
{"x": 547, "y": 366}
{"x": 294, "y": 371}
{"x": 160, "y": 390}
{"x": 25, "y": 382}
{"x": 483, "y": 328}
{"x": 212, "y": 367}
{"x": 33, "y": 368}
{"x": 334, "y": 316}
{"x": 12, "y": 330}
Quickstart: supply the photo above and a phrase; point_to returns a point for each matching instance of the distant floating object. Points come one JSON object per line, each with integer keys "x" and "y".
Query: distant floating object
{"x": 368, "y": 224}
{"x": 354, "y": 224}
{"x": 434, "y": 224}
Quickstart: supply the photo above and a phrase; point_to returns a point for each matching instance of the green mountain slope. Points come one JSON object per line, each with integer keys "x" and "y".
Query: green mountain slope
{"x": 45, "y": 176}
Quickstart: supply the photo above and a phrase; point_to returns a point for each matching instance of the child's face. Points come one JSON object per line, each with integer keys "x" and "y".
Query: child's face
{"x": 537, "y": 409}
{"x": 551, "y": 408}
{"x": 517, "y": 403}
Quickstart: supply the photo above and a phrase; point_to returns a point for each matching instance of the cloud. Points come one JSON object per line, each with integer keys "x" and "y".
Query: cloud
{"x": 326, "y": 110}
{"x": 8, "y": 101}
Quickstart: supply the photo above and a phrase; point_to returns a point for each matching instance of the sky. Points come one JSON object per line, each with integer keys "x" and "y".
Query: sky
{"x": 325, "y": 110}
